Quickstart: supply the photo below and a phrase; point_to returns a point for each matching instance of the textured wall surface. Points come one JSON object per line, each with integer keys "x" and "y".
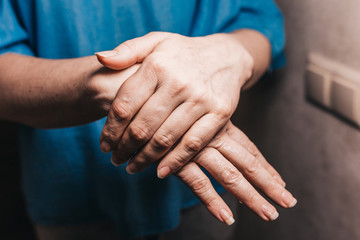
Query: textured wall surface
{"x": 317, "y": 153}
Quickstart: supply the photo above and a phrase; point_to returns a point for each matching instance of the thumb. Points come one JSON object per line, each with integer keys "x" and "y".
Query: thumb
{"x": 132, "y": 51}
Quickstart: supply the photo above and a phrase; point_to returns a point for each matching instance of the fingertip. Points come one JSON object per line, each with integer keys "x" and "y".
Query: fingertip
{"x": 288, "y": 199}
{"x": 114, "y": 60}
{"x": 230, "y": 221}
{"x": 270, "y": 212}
{"x": 101, "y": 58}
{"x": 105, "y": 54}
{"x": 227, "y": 217}
{"x": 274, "y": 216}
{"x": 114, "y": 161}
{"x": 105, "y": 147}
{"x": 163, "y": 172}
{"x": 294, "y": 202}
{"x": 131, "y": 168}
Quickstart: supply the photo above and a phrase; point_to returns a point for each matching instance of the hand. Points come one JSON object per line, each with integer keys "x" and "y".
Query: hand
{"x": 103, "y": 85}
{"x": 184, "y": 92}
{"x": 235, "y": 162}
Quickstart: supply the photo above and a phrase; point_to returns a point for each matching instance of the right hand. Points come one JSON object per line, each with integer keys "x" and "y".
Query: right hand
{"x": 231, "y": 158}
{"x": 235, "y": 162}
{"x": 184, "y": 92}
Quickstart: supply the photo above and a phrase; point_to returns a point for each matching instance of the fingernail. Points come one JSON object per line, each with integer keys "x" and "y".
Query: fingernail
{"x": 105, "y": 147}
{"x": 106, "y": 53}
{"x": 288, "y": 199}
{"x": 226, "y": 217}
{"x": 114, "y": 161}
{"x": 131, "y": 168}
{"x": 270, "y": 212}
{"x": 163, "y": 172}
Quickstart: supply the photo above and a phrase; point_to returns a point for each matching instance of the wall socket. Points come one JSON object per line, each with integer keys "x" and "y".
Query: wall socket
{"x": 334, "y": 86}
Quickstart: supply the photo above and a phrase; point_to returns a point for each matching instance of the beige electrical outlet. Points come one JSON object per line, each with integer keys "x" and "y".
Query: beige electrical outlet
{"x": 334, "y": 86}
{"x": 342, "y": 98}
{"x": 317, "y": 84}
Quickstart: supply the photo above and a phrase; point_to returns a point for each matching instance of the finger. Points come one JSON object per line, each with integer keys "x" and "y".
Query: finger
{"x": 238, "y": 136}
{"x": 201, "y": 186}
{"x": 198, "y": 136}
{"x": 132, "y": 51}
{"x": 143, "y": 126}
{"x": 255, "y": 172}
{"x": 129, "y": 99}
{"x": 174, "y": 127}
{"x": 227, "y": 175}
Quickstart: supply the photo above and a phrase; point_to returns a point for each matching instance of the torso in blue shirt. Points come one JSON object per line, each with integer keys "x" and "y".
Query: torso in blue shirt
{"x": 66, "y": 178}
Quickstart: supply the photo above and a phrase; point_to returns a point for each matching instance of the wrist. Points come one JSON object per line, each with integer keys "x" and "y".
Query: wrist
{"x": 237, "y": 55}
{"x": 92, "y": 97}
{"x": 101, "y": 86}
{"x": 258, "y": 48}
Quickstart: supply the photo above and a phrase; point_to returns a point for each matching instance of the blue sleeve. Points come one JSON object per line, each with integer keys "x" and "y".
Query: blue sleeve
{"x": 13, "y": 37}
{"x": 265, "y": 17}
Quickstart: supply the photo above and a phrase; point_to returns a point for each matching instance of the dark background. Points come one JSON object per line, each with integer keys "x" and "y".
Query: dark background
{"x": 14, "y": 223}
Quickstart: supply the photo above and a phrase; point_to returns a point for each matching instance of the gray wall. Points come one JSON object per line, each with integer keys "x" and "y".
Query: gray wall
{"x": 317, "y": 153}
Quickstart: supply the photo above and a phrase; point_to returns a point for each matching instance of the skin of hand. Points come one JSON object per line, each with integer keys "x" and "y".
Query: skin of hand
{"x": 184, "y": 92}
{"x": 36, "y": 92}
{"x": 235, "y": 162}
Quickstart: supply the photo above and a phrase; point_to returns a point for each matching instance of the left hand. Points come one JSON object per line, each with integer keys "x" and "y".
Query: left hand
{"x": 236, "y": 163}
{"x": 185, "y": 91}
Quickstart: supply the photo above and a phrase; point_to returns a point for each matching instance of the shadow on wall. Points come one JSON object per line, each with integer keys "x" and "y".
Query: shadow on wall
{"x": 317, "y": 153}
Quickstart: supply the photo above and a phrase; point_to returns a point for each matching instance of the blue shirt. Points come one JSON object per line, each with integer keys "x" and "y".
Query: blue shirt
{"x": 66, "y": 179}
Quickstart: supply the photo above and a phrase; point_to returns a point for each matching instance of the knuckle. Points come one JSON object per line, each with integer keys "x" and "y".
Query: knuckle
{"x": 163, "y": 142}
{"x": 193, "y": 144}
{"x": 178, "y": 86}
{"x": 130, "y": 44}
{"x": 200, "y": 95}
{"x": 150, "y": 34}
{"x": 252, "y": 149}
{"x": 218, "y": 143}
{"x": 110, "y": 134}
{"x": 153, "y": 33}
{"x": 252, "y": 165}
{"x": 223, "y": 109}
{"x": 140, "y": 161}
{"x": 203, "y": 155}
{"x": 210, "y": 200}
{"x": 157, "y": 62}
{"x": 231, "y": 177}
{"x": 139, "y": 134}
{"x": 200, "y": 185}
{"x": 121, "y": 111}
{"x": 272, "y": 186}
{"x": 253, "y": 198}
{"x": 177, "y": 163}
{"x": 123, "y": 141}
